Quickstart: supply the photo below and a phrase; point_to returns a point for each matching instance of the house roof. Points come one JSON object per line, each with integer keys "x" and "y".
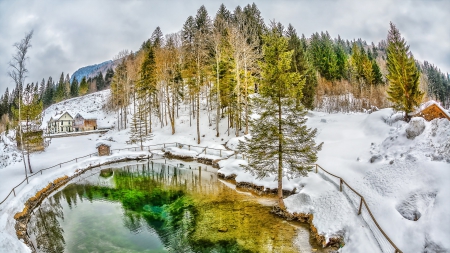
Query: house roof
{"x": 58, "y": 116}
{"x": 84, "y": 117}
{"x": 100, "y": 143}
{"x": 430, "y": 103}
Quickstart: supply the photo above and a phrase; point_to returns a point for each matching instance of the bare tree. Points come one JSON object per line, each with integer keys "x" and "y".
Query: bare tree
{"x": 18, "y": 74}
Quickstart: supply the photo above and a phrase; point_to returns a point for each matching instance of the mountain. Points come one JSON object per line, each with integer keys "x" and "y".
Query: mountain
{"x": 93, "y": 70}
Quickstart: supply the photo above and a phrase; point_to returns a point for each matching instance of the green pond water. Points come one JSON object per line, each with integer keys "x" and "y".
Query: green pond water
{"x": 159, "y": 208}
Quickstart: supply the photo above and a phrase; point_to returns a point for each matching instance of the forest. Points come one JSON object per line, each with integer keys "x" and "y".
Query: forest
{"x": 214, "y": 63}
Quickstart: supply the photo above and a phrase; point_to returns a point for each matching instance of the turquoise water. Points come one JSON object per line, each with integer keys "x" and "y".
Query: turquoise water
{"x": 156, "y": 208}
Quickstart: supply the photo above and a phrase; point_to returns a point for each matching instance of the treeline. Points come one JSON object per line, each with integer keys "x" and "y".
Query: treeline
{"x": 437, "y": 83}
{"x": 214, "y": 64}
{"x": 50, "y": 92}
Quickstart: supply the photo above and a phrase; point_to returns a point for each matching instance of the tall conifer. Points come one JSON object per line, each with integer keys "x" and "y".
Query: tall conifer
{"x": 281, "y": 143}
{"x": 403, "y": 75}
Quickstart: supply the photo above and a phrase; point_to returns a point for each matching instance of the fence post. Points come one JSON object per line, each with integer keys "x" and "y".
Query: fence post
{"x": 360, "y": 206}
{"x": 60, "y": 165}
{"x": 221, "y": 153}
{"x": 164, "y": 145}
{"x": 189, "y": 147}
{"x": 76, "y": 160}
{"x": 14, "y": 192}
{"x": 41, "y": 172}
{"x": 316, "y": 167}
{"x": 340, "y": 185}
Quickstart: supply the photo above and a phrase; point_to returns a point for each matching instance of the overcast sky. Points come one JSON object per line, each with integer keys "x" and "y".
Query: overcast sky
{"x": 72, "y": 34}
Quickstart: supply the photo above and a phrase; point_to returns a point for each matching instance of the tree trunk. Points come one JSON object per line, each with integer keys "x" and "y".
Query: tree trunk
{"x": 198, "y": 118}
{"x": 280, "y": 158}
{"x": 218, "y": 98}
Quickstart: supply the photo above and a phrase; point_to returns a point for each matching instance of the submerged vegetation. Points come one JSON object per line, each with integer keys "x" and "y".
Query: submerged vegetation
{"x": 166, "y": 209}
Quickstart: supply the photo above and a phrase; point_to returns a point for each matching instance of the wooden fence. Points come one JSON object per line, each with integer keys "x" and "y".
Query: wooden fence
{"x": 385, "y": 243}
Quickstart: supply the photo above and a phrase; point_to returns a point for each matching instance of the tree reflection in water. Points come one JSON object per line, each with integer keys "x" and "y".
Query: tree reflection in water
{"x": 182, "y": 210}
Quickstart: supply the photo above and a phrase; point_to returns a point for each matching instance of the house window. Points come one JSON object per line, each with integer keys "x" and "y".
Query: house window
{"x": 62, "y": 122}
{"x": 62, "y": 129}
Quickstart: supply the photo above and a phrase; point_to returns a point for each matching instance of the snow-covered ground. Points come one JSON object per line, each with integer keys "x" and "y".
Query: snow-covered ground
{"x": 399, "y": 177}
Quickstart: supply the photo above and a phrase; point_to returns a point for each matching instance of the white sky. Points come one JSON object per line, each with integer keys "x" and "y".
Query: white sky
{"x": 73, "y": 34}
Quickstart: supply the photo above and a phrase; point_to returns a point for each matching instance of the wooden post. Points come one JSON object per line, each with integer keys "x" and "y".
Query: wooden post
{"x": 316, "y": 168}
{"x": 340, "y": 185}
{"x": 14, "y": 192}
{"x": 164, "y": 145}
{"x": 360, "y": 206}
{"x": 76, "y": 160}
{"x": 189, "y": 147}
{"x": 220, "y": 152}
{"x": 60, "y": 165}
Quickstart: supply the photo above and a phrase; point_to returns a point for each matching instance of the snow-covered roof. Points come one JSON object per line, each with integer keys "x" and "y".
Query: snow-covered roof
{"x": 430, "y": 103}
{"x": 57, "y": 116}
{"x": 98, "y": 144}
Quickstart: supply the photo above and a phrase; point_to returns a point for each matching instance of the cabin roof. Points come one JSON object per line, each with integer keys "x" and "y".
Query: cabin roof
{"x": 430, "y": 104}
{"x": 100, "y": 143}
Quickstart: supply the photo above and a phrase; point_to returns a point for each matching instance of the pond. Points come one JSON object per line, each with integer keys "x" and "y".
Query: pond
{"x": 154, "y": 207}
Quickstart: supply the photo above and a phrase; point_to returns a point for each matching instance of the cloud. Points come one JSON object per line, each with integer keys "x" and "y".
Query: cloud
{"x": 72, "y": 34}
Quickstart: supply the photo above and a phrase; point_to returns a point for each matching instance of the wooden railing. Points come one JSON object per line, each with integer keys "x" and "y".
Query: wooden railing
{"x": 149, "y": 148}
{"x": 383, "y": 240}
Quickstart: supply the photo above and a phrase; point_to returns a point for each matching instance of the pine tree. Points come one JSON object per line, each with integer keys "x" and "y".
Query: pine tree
{"x": 301, "y": 65}
{"x": 281, "y": 143}
{"x": 74, "y": 88}
{"x": 83, "y": 87}
{"x": 403, "y": 75}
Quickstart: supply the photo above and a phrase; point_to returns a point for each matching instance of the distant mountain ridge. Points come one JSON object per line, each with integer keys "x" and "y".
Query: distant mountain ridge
{"x": 92, "y": 70}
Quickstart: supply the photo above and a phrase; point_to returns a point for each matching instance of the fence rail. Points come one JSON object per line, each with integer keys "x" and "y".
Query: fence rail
{"x": 385, "y": 243}
{"x": 148, "y": 147}
{"x": 383, "y": 240}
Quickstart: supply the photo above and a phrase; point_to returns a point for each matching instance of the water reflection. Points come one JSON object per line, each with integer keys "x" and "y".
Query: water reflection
{"x": 156, "y": 208}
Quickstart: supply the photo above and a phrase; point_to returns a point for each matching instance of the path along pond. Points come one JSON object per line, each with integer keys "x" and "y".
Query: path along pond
{"x": 155, "y": 207}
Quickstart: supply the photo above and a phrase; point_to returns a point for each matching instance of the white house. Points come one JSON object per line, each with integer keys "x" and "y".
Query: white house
{"x": 60, "y": 123}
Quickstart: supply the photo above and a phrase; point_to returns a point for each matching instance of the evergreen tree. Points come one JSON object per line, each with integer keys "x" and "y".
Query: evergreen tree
{"x": 99, "y": 81}
{"x": 83, "y": 87}
{"x": 42, "y": 89}
{"x": 49, "y": 93}
{"x": 60, "y": 93}
{"x": 67, "y": 86}
{"x": 74, "y": 88}
{"x": 108, "y": 77}
{"x": 281, "y": 143}
{"x": 403, "y": 75}
{"x": 301, "y": 65}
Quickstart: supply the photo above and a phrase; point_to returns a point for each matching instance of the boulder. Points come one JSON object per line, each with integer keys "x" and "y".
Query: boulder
{"x": 415, "y": 128}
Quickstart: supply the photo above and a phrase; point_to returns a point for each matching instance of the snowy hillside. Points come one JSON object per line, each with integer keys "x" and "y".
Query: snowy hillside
{"x": 89, "y": 106}
{"x": 92, "y": 70}
{"x": 403, "y": 180}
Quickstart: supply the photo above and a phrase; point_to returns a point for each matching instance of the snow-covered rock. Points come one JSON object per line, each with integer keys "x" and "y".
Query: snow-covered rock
{"x": 415, "y": 128}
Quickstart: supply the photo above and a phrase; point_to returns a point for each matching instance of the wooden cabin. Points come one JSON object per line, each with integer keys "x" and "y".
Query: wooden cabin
{"x": 84, "y": 124}
{"x": 103, "y": 149}
{"x": 432, "y": 111}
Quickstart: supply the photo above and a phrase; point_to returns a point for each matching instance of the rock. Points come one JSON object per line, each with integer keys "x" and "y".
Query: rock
{"x": 415, "y": 128}
{"x": 376, "y": 158}
{"x": 223, "y": 229}
{"x": 323, "y": 120}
